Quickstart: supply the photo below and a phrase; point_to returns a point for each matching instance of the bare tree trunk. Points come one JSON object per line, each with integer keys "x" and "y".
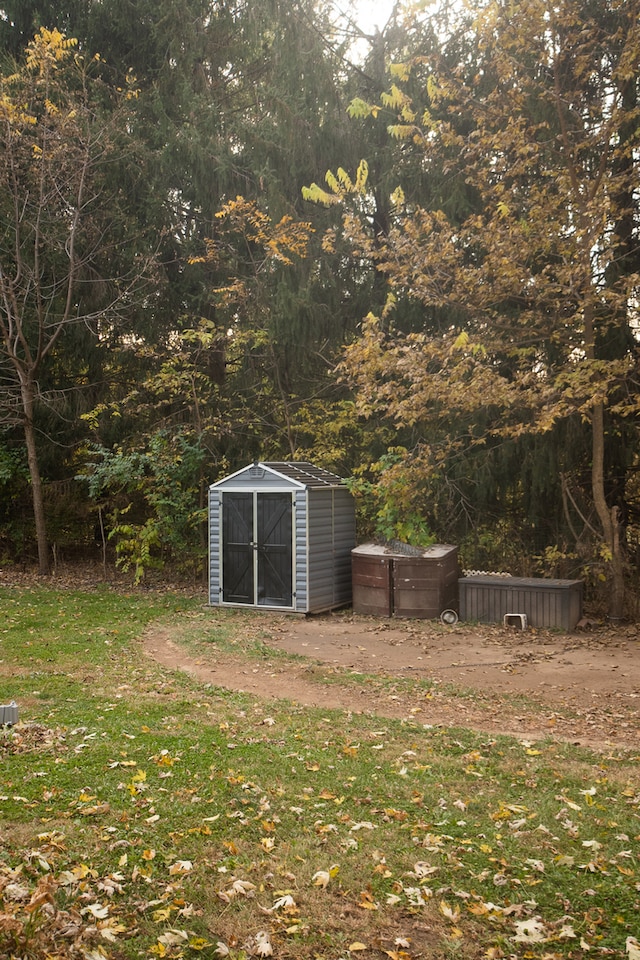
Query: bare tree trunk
{"x": 285, "y": 405}
{"x": 36, "y": 481}
{"x": 618, "y": 567}
{"x": 609, "y": 516}
{"x": 103, "y": 544}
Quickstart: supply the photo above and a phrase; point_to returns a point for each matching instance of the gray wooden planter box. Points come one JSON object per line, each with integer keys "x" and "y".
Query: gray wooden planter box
{"x": 545, "y": 603}
{"x": 8, "y": 714}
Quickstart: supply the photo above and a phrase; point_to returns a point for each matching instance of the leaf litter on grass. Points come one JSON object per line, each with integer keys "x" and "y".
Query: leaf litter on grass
{"x": 181, "y": 822}
{"x": 410, "y": 863}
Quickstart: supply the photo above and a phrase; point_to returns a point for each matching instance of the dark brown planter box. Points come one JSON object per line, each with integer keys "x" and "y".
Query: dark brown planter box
{"x": 419, "y": 584}
{"x": 371, "y": 581}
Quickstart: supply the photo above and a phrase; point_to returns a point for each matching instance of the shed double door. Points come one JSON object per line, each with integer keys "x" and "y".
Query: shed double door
{"x": 257, "y": 549}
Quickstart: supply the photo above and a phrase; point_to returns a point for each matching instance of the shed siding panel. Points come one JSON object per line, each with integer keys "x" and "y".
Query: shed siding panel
{"x": 214, "y": 548}
{"x": 331, "y": 539}
{"x": 344, "y": 528}
{"x": 301, "y": 604}
{"x": 321, "y": 570}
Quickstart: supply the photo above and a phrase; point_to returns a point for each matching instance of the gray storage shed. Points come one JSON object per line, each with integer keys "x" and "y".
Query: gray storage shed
{"x": 280, "y": 538}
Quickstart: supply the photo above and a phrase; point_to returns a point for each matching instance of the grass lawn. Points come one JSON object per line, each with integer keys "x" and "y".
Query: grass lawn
{"x": 143, "y": 814}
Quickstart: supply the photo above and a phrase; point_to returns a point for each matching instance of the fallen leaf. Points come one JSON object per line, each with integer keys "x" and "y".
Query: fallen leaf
{"x": 285, "y": 902}
{"x": 174, "y": 938}
{"x": 530, "y": 931}
{"x": 632, "y": 947}
{"x": 322, "y": 877}
{"x": 243, "y": 888}
{"x": 423, "y": 869}
{"x": 18, "y": 891}
{"x": 367, "y": 901}
{"x": 96, "y": 910}
{"x": 198, "y": 943}
{"x": 263, "y": 946}
{"x": 592, "y": 844}
{"x": 451, "y": 913}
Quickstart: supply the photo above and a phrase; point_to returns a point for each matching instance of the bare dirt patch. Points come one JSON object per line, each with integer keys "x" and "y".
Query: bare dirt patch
{"x": 583, "y": 688}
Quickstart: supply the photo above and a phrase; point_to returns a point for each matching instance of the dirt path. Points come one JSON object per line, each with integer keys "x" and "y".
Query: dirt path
{"x": 585, "y": 687}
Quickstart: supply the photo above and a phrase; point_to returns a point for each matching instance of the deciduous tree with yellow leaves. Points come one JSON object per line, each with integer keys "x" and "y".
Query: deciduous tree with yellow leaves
{"x": 61, "y": 227}
{"x": 536, "y": 292}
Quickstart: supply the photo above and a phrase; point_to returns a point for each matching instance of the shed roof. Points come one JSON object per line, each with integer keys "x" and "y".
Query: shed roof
{"x": 300, "y": 473}
{"x": 306, "y": 473}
